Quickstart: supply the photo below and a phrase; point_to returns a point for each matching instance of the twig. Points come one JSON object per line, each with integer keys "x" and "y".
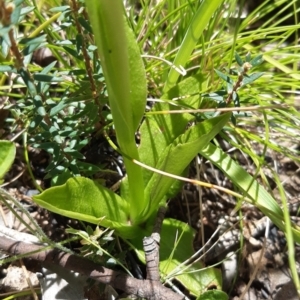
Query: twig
{"x": 151, "y": 247}
{"x": 119, "y": 280}
{"x": 6, "y": 11}
{"x": 246, "y": 67}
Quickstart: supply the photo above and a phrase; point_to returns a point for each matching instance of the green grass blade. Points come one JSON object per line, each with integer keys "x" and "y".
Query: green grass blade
{"x": 195, "y": 29}
{"x": 255, "y": 192}
{"x": 289, "y": 235}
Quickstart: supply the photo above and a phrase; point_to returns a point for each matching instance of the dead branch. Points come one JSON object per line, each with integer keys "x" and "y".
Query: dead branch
{"x": 151, "y": 247}
{"x": 141, "y": 288}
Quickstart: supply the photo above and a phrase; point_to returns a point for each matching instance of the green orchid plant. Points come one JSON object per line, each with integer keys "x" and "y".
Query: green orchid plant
{"x": 168, "y": 145}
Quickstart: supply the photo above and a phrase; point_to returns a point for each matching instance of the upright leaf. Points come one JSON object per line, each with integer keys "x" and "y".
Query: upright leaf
{"x": 195, "y": 29}
{"x": 126, "y": 84}
{"x": 160, "y": 130}
{"x": 179, "y": 154}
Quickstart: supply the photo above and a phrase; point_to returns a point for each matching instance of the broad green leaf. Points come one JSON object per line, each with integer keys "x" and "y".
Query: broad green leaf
{"x": 121, "y": 61}
{"x": 176, "y": 246}
{"x": 213, "y": 295}
{"x": 258, "y": 195}
{"x": 83, "y": 199}
{"x": 159, "y": 131}
{"x": 198, "y": 24}
{"x": 186, "y": 92}
{"x": 7, "y": 156}
{"x": 195, "y": 280}
{"x": 179, "y": 154}
{"x": 126, "y": 85}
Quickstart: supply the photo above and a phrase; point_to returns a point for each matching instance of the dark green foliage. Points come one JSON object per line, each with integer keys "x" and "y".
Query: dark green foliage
{"x": 61, "y": 105}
